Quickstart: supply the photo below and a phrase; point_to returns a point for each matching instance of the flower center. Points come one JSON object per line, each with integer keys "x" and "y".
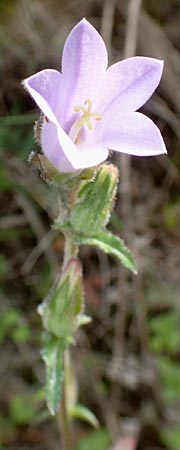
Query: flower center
{"x": 86, "y": 115}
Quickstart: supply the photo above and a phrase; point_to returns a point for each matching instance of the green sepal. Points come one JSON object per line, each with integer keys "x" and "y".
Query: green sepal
{"x": 62, "y": 309}
{"x": 69, "y": 180}
{"x": 111, "y": 245}
{"x": 64, "y": 181}
{"x": 94, "y": 201}
{"x": 52, "y": 354}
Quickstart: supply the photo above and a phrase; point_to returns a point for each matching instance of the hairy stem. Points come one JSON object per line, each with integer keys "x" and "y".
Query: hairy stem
{"x": 64, "y": 423}
{"x": 70, "y": 251}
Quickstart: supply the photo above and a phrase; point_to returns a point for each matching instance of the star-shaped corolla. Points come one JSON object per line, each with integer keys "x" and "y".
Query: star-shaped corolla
{"x": 90, "y": 109}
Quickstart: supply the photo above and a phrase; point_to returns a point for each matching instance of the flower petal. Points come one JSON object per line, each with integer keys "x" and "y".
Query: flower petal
{"x": 86, "y": 156}
{"x": 131, "y": 82}
{"x": 45, "y": 87}
{"x": 84, "y": 61}
{"x": 68, "y": 158}
{"x": 133, "y": 133}
{"x": 52, "y": 148}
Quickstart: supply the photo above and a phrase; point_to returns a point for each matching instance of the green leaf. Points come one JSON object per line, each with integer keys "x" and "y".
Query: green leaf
{"x": 112, "y": 245}
{"x": 21, "y": 334}
{"x": 22, "y": 410}
{"x": 19, "y": 119}
{"x": 96, "y": 439}
{"x": 169, "y": 372}
{"x": 165, "y": 333}
{"x": 83, "y": 413}
{"x": 52, "y": 354}
{"x": 171, "y": 437}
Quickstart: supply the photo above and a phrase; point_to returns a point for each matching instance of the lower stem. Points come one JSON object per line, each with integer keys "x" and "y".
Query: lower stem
{"x": 64, "y": 423}
{"x": 70, "y": 251}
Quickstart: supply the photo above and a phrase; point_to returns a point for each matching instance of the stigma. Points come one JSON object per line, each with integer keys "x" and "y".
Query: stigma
{"x": 87, "y": 114}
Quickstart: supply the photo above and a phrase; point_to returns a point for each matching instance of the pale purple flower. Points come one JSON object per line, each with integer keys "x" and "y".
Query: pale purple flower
{"x": 90, "y": 109}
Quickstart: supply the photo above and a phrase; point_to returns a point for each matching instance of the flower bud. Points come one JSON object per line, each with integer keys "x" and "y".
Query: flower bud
{"x": 95, "y": 201}
{"x": 62, "y": 309}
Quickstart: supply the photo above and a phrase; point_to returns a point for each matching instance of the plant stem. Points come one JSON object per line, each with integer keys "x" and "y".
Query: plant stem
{"x": 70, "y": 251}
{"x": 63, "y": 415}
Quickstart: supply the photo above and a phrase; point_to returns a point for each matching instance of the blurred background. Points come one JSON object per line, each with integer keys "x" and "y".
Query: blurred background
{"x": 127, "y": 361}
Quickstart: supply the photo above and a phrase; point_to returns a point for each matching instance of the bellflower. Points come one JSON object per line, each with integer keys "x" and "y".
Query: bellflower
{"x": 90, "y": 109}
